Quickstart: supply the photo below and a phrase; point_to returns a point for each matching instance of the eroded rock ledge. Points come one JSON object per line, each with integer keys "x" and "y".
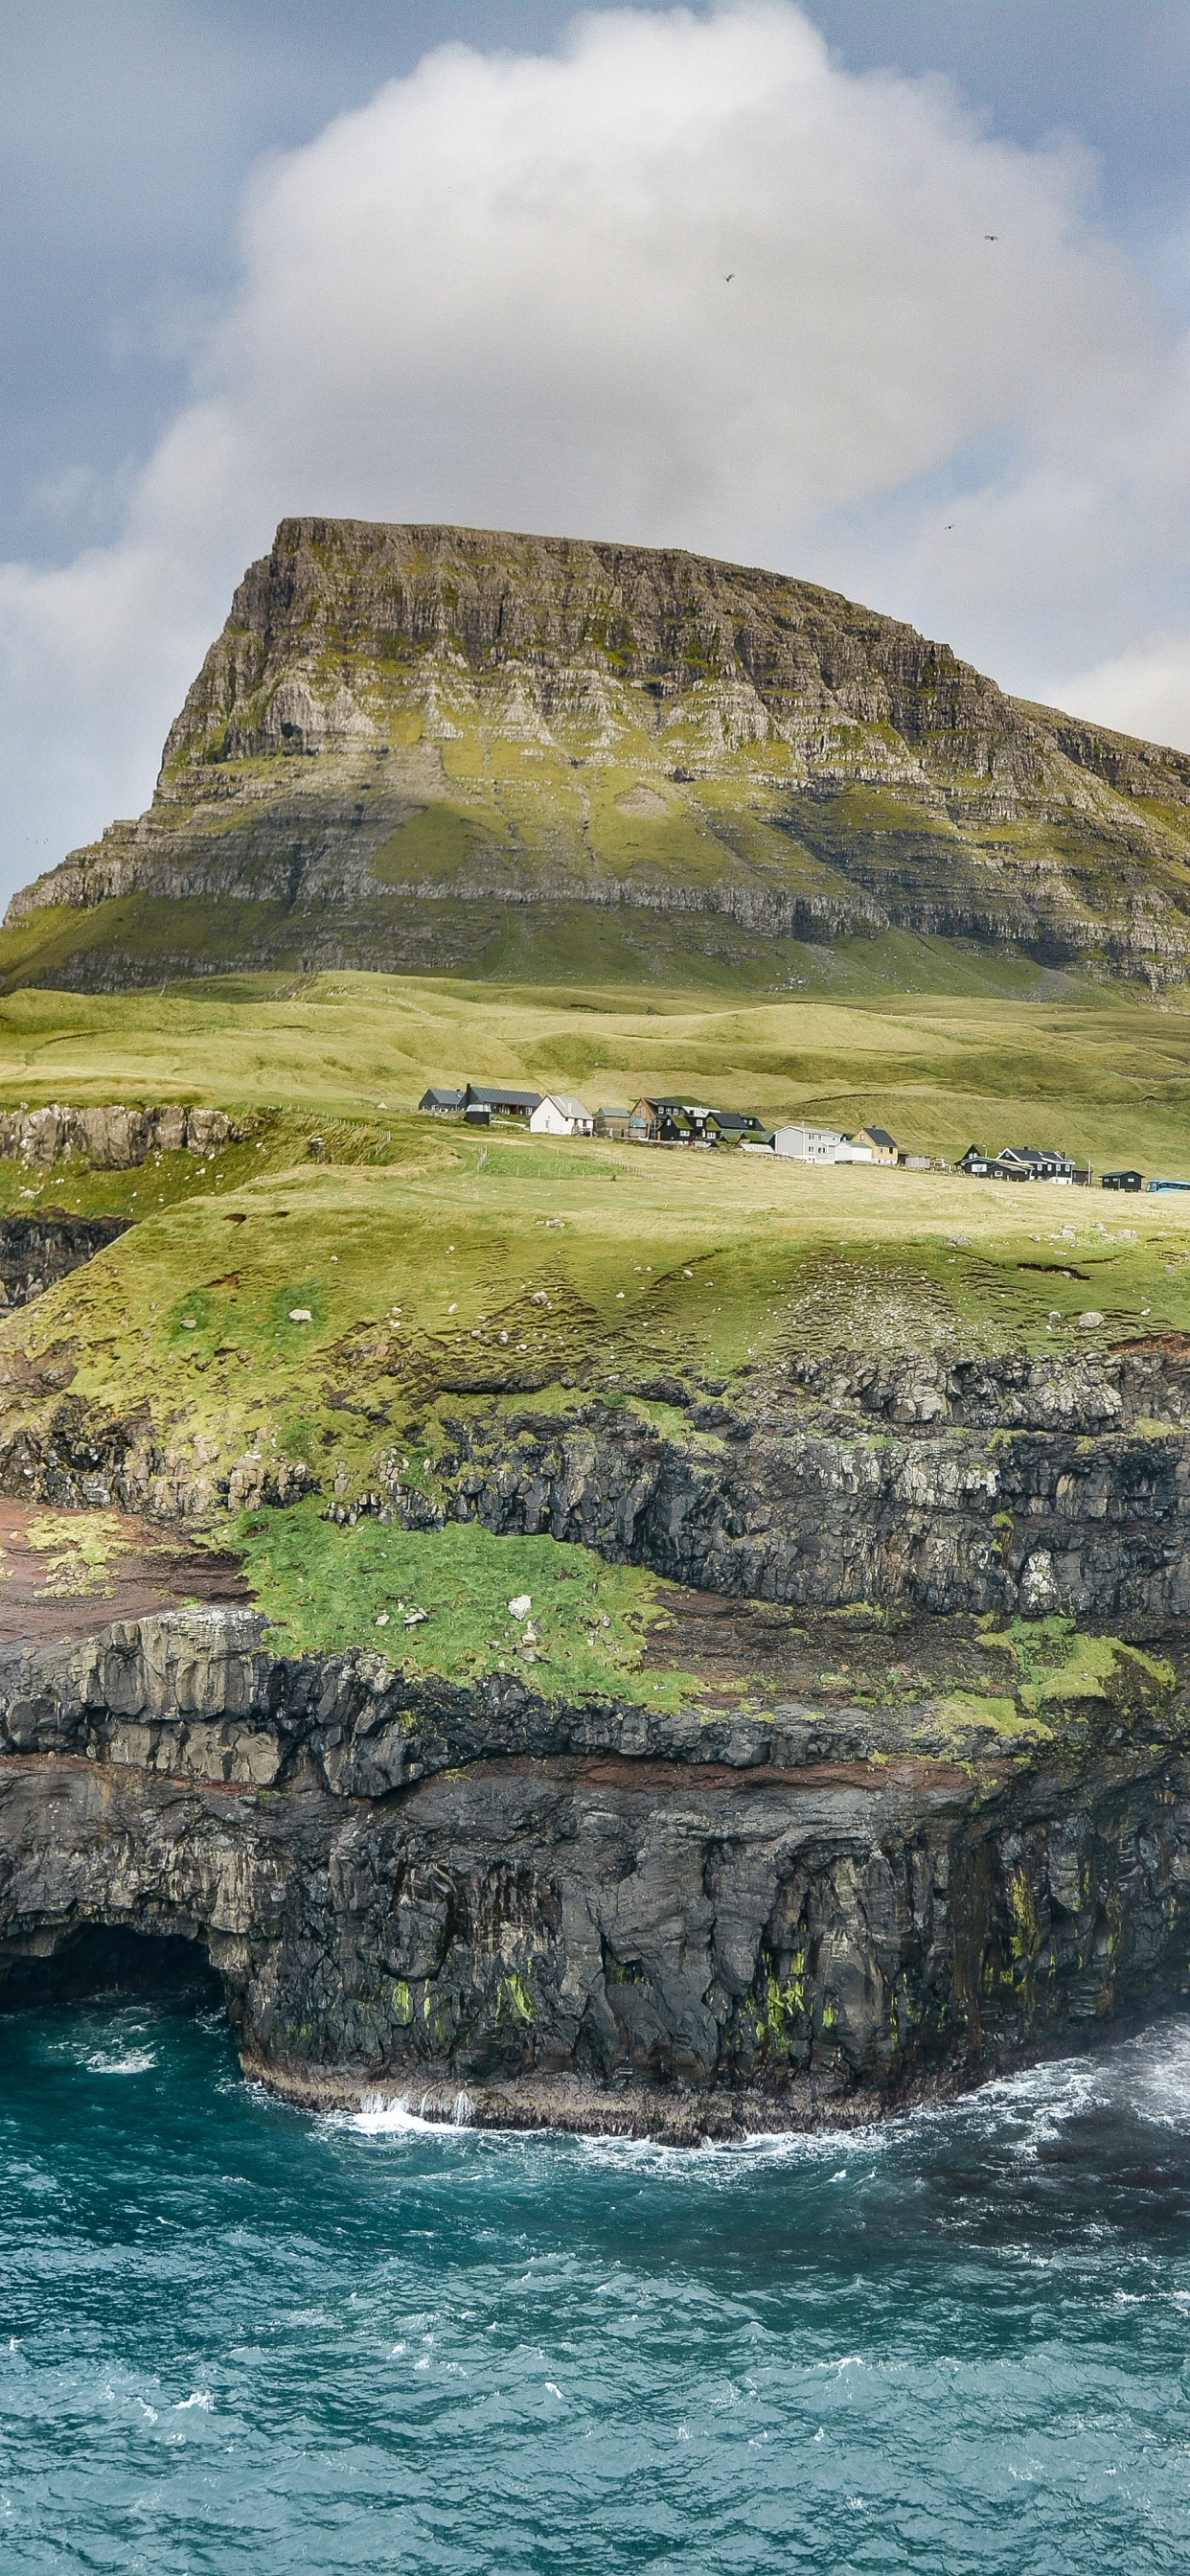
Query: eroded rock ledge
{"x": 1015, "y": 1484}
{"x": 589, "y": 1916}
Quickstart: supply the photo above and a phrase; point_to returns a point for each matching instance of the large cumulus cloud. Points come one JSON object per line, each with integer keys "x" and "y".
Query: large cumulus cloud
{"x": 685, "y": 281}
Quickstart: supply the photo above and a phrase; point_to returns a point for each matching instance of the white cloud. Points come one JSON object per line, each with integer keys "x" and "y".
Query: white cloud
{"x": 498, "y": 294}
{"x": 1146, "y": 690}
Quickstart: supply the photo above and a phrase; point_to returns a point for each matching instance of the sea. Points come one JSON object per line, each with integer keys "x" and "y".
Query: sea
{"x": 237, "y": 2338}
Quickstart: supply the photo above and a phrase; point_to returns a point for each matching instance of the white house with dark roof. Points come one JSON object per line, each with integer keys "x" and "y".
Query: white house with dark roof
{"x": 558, "y": 1115}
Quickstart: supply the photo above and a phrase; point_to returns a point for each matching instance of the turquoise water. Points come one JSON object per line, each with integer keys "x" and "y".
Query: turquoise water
{"x": 235, "y": 2338}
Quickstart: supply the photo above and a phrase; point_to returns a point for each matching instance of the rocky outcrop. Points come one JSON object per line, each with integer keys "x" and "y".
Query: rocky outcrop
{"x": 112, "y": 1139}
{"x": 518, "y": 1912}
{"x": 413, "y": 744}
{"x": 37, "y": 1251}
{"x": 1016, "y": 1485}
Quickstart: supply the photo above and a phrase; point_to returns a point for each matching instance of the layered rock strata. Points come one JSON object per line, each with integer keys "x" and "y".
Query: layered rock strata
{"x": 455, "y": 749}
{"x": 1014, "y": 1485}
{"x": 518, "y": 1912}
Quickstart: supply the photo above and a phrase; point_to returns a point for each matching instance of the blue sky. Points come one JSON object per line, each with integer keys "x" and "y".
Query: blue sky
{"x": 999, "y": 454}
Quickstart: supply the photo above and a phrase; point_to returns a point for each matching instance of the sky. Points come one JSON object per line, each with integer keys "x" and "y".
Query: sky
{"x": 890, "y": 294}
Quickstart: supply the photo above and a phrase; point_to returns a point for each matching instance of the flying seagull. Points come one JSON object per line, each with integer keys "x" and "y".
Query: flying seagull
{"x": 730, "y": 274}
{"x": 991, "y": 236}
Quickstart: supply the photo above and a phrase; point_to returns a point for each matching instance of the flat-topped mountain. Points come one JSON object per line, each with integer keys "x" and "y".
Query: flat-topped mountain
{"x": 432, "y": 749}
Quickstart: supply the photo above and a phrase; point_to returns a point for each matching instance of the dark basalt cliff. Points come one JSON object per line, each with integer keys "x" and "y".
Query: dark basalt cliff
{"x": 423, "y": 747}
{"x": 816, "y": 1898}
{"x": 600, "y": 1918}
{"x": 1015, "y": 1485}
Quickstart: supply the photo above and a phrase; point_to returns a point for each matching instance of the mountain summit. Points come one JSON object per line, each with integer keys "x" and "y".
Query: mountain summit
{"x": 434, "y": 749}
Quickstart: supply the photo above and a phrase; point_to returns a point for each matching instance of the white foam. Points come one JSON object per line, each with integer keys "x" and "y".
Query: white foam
{"x": 1146, "y": 2075}
{"x": 135, "y": 2061}
{"x": 380, "y": 2116}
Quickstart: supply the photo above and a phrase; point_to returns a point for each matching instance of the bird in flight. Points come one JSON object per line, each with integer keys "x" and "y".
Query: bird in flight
{"x": 991, "y": 236}
{"x": 730, "y": 274}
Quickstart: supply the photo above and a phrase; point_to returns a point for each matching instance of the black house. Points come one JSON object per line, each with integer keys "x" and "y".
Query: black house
{"x": 483, "y": 1101}
{"x": 1019, "y": 1163}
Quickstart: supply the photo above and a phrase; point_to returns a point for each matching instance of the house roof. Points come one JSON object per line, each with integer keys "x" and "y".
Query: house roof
{"x": 612, "y": 1112}
{"x": 493, "y": 1095}
{"x": 568, "y": 1107}
{"x": 879, "y": 1136}
{"x": 733, "y": 1118}
{"x": 444, "y": 1099}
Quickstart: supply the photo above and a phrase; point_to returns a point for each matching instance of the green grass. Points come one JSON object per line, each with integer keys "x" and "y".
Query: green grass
{"x": 1058, "y": 1666}
{"x": 436, "y": 1286}
{"x": 1102, "y": 1075}
{"x": 448, "y": 1276}
{"x": 327, "y": 1588}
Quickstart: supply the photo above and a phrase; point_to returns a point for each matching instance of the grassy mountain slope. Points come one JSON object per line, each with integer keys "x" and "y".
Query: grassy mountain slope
{"x": 438, "y": 750}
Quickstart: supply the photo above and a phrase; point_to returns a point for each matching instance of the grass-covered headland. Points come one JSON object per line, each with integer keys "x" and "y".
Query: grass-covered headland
{"x": 313, "y": 1323}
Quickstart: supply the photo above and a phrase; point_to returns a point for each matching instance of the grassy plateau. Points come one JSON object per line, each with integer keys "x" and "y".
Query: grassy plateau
{"x": 334, "y": 1307}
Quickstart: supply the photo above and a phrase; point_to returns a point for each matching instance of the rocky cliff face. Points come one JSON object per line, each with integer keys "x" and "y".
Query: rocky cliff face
{"x": 1016, "y": 1485}
{"x": 37, "y": 1251}
{"x": 518, "y": 1912}
{"x": 413, "y": 746}
{"x": 111, "y": 1139}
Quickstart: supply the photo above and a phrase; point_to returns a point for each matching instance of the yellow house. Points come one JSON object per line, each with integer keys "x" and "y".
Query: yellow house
{"x": 884, "y": 1146}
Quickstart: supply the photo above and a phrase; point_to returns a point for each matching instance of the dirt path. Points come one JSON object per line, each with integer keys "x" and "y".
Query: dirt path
{"x": 67, "y": 1574}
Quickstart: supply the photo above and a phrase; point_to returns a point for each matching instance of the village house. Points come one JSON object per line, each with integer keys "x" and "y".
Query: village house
{"x": 662, "y": 1122}
{"x": 483, "y": 1101}
{"x": 732, "y": 1126}
{"x": 1020, "y": 1163}
{"x": 558, "y": 1115}
{"x": 808, "y": 1144}
{"x": 883, "y": 1146}
{"x": 438, "y": 1103}
{"x": 691, "y": 1122}
{"x": 1122, "y": 1181}
{"x": 805, "y": 1144}
{"x": 614, "y": 1122}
